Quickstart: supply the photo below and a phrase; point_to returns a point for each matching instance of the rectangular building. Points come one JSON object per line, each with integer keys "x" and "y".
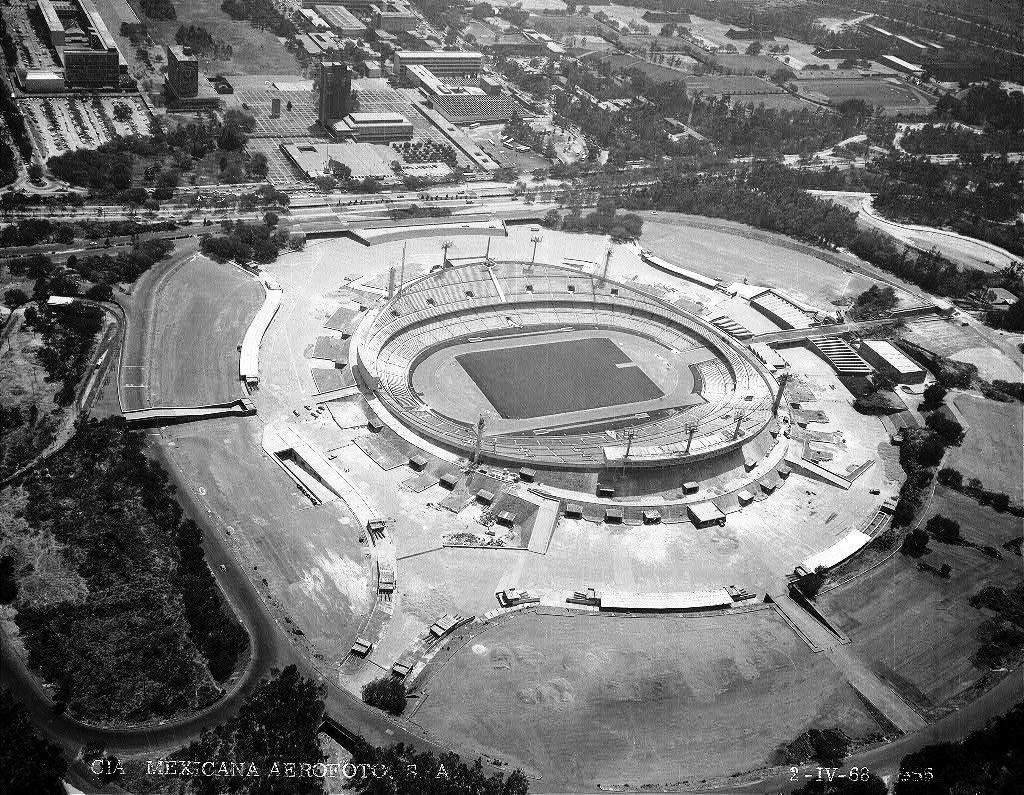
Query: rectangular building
{"x": 440, "y": 62}
{"x": 891, "y": 362}
{"x": 341, "y": 21}
{"x": 335, "y": 92}
{"x": 394, "y": 17}
{"x": 182, "y": 72}
{"x": 54, "y": 26}
{"x": 373, "y": 127}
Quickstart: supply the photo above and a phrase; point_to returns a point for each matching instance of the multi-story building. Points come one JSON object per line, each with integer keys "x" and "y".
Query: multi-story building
{"x": 440, "y": 62}
{"x": 394, "y": 16}
{"x": 84, "y": 46}
{"x": 182, "y": 72}
{"x": 341, "y": 20}
{"x": 335, "y": 92}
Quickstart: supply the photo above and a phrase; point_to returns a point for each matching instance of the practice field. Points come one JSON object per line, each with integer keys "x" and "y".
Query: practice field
{"x": 992, "y": 450}
{"x": 558, "y": 377}
{"x": 888, "y": 92}
{"x": 597, "y": 700}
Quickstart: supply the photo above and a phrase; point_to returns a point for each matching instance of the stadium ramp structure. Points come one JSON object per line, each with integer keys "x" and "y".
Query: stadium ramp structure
{"x": 682, "y": 273}
{"x": 313, "y": 473}
{"x": 248, "y": 360}
{"x": 171, "y": 415}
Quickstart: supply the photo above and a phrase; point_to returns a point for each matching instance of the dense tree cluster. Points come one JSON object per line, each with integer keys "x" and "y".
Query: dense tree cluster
{"x": 262, "y": 14}
{"x": 988, "y": 760}
{"x": 28, "y": 761}
{"x": 126, "y": 266}
{"x": 940, "y": 139}
{"x": 158, "y": 9}
{"x": 201, "y": 41}
{"x": 415, "y": 773}
{"x": 873, "y": 303}
{"x": 68, "y": 334}
{"x": 24, "y": 431}
{"x": 279, "y": 722}
{"x": 246, "y": 242}
{"x": 987, "y": 105}
{"x": 110, "y": 167}
{"x": 152, "y": 626}
{"x": 977, "y": 196}
{"x": 386, "y": 693}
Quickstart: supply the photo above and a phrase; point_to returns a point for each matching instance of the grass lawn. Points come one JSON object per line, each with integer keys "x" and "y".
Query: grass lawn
{"x": 992, "y": 449}
{"x": 601, "y": 700}
{"x": 917, "y": 630}
{"x": 253, "y": 51}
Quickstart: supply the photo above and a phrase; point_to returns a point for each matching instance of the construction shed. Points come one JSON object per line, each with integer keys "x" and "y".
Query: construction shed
{"x": 705, "y": 514}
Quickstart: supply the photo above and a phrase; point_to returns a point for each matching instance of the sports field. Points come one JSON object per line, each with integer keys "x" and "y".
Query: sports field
{"x": 557, "y": 377}
{"x": 993, "y": 450}
{"x": 886, "y": 93}
{"x": 598, "y": 700}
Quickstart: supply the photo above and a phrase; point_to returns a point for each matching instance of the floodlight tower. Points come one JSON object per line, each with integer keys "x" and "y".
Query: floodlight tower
{"x": 629, "y": 446}
{"x": 444, "y": 251}
{"x": 783, "y": 380}
{"x": 607, "y": 261}
{"x": 691, "y": 429}
{"x": 480, "y": 423}
{"x": 535, "y": 239}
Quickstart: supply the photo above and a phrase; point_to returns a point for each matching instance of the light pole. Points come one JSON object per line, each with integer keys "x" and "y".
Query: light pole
{"x": 536, "y": 239}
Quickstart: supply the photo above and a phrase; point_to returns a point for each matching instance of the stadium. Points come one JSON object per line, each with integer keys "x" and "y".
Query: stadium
{"x": 523, "y": 364}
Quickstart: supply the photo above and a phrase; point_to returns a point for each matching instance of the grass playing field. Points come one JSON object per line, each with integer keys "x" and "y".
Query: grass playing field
{"x": 602, "y": 700}
{"x": 557, "y": 377}
{"x": 876, "y": 91}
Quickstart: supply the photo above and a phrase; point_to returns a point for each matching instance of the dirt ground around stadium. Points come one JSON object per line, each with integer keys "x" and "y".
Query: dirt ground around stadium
{"x": 754, "y": 550}
{"x": 186, "y": 318}
{"x": 596, "y": 699}
{"x": 916, "y": 630}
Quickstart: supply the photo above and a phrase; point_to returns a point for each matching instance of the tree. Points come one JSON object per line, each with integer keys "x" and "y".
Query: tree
{"x": 386, "y": 693}
{"x": 100, "y": 292}
{"x": 810, "y": 584}
{"x": 1000, "y": 501}
{"x": 944, "y": 529}
{"x": 755, "y": 48}
{"x": 934, "y": 394}
{"x": 8, "y": 575}
{"x": 916, "y": 542}
{"x": 15, "y": 297}
{"x": 948, "y": 430}
{"x": 35, "y": 171}
{"x": 28, "y": 761}
{"x": 279, "y": 721}
{"x": 270, "y": 218}
{"x": 951, "y": 477}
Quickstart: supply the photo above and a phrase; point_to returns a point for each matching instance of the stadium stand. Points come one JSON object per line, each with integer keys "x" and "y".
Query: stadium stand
{"x": 838, "y": 353}
{"x": 475, "y": 300}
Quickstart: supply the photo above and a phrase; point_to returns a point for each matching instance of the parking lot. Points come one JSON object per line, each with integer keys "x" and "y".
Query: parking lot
{"x": 66, "y": 123}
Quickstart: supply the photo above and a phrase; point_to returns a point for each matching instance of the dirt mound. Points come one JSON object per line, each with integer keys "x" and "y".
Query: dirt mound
{"x": 553, "y": 693}
{"x": 505, "y": 658}
{"x": 584, "y": 661}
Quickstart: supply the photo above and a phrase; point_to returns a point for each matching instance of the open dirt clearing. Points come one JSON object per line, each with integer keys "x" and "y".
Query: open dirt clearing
{"x": 601, "y": 699}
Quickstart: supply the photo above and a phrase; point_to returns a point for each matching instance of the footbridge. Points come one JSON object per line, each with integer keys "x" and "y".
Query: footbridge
{"x": 171, "y": 415}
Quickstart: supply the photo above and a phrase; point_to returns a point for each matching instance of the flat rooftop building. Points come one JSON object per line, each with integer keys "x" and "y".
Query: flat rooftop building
{"x": 440, "y": 62}
{"x": 891, "y": 362}
{"x": 341, "y": 20}
{"x": 182, "y": 72}
{"x": 373, "y": 127}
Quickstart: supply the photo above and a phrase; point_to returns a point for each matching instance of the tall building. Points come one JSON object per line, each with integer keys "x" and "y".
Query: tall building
{"x": 182, "y": 72}
{"x": 335, "y": 92}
